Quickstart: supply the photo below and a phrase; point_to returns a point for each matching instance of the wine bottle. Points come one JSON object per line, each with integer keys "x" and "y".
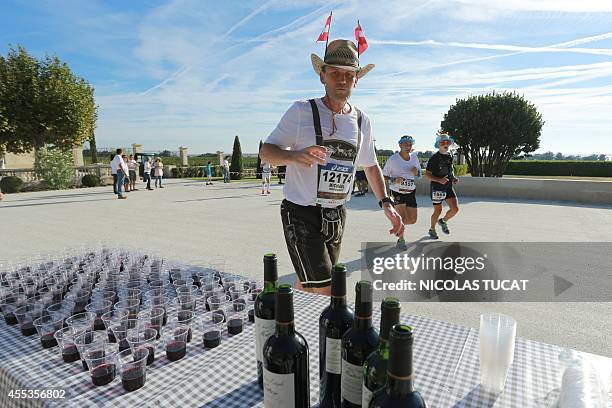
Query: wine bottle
{"x": 357, "y": 344}
{"x": 399, "y": 391}
{"x": 375, "y": 367}
{"x": 286, "y": 375}
{"x": 265, "y": 325}
{"x": 335, "y": 320}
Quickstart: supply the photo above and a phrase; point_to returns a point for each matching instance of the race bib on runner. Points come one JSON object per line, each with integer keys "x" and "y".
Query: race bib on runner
{"x": 406, "y": 186}
{"x": 438, "y": 195}
{"x": 335, "y": 181}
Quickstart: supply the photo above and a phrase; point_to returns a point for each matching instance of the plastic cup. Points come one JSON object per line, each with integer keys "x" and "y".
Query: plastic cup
{"x": 497, "y": 336}
{"x": 113, "y": 315}
{"x": 63, "y": 309}
{"x": 84, "y": 340}
{"x": 8, "y": 304}
{"x": 218, "y": 303}
{"x": 186, "y": 317}
{"x": 101, "y": 359}
{"x": 81, "y": 322}
{"x": 142, "y": 336}
{"x": 212, "y": 327}
{"x": 99, "y": 307}
{"x": 236, "y": 317}
{"x": 46, "y": 326}
{"x": 65, "y": 340}
{"x": 26, "y": 315}
{"x": 153, "y": 318}
{"x": 120, "y": 329}
{"x": 133, "y": 367}
{"x": 174, "y": 340}
{"x": 131, "y": 305}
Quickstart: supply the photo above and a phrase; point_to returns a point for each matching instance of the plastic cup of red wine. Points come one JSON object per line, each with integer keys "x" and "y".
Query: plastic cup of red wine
{"x": 80, "y": 298}
{"x": 8, "y": 304}
{"x": 46, "y": 326}
{"x": 61, "y": 309}
{"x": 174, "y": 340}
{"x": 113, "y": 316}
{"x": 26, "y": 315}
{"x": 142, "y": 336}
{"x": 236, "y": 317}
{"x": 99, "y": 307}
{"x": 212, "y": 326}
{"x": 120, "y": 328}
{"x": 186, "y": 317}
{"x": 131, "y": 305}
{"x": 219, "y": 302}
{"x": 101, "y": 360}
{"x": 133, "y": 367}
{"x": 152, "y": 318}
{"x": 65, "y": 341}
{"x": 87, "y": 339}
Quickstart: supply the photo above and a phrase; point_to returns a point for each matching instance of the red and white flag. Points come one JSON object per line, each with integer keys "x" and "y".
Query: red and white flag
{"x": 362, "y": 44}
{"x": 325, "y": 33}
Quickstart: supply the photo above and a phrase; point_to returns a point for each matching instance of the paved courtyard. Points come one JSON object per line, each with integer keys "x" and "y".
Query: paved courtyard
{"x": 194, "y": 223}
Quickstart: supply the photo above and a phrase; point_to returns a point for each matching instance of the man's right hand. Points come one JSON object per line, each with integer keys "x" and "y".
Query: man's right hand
{"x": 310, "y": 156}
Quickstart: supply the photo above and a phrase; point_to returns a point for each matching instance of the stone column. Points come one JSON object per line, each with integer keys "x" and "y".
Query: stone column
{"x": 184, "y": 158}
{"x": 136, "y": 148}
{"x": 220, "y": 154}
{"x": 77, "y": 156}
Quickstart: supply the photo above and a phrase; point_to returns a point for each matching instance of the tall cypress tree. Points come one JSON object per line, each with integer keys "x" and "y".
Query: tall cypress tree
{"x": 236, "y": 165}
{"x": 259, "y": 168}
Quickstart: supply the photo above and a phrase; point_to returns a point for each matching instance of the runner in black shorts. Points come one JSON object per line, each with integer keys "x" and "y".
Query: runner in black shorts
{"x": 440, "y": 173}
{"x": 400, "y": 171}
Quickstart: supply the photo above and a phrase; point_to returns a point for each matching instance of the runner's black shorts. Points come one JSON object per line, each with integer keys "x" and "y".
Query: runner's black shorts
{"x": 445, "y": 192}
{"x": 312, "y": 252}
{"x": 409, "y": 199}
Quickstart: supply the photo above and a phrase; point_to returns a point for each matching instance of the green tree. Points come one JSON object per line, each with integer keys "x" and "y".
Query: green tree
{"x": 259, "y": 167}
{"x": 42, "y": 102}
{"x": 236, "y": 165}
{"x": 492, "y": 129}
{"x": 559, "y": 156}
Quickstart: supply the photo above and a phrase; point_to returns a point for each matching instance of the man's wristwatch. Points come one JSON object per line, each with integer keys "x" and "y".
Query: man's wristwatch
{"x": 386, "y": 200}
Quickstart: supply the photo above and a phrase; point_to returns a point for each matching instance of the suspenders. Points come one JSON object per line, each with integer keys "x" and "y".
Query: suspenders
{"x": 316, "y": 120}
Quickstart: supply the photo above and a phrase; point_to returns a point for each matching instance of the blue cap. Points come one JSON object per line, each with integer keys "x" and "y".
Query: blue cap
{"x": 440, "y": 137}
{"x": 406, "y": 138}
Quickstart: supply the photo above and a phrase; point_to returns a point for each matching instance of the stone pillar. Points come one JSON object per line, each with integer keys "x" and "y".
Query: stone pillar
{"x": 184, "y": 158}
{"x": 220, "y": 154}
{"x": 77, "y": 156}
{"x": 136, "y": 148}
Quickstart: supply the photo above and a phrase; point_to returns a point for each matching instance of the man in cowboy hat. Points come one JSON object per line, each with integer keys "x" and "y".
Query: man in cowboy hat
{"x": 440, "y": 172}
{"x": 322, "y": 141}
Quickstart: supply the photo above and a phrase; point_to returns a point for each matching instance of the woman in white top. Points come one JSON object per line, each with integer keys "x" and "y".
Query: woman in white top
{"x": 400, "y": 171}
{"x": 159, "y": 172}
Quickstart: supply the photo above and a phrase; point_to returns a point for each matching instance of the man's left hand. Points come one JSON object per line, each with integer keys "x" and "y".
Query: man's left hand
{"x": 396, "y": 220}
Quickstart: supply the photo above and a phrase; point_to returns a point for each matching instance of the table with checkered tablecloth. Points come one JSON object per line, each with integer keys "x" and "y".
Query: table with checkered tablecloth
{"x": 445, "y": 356}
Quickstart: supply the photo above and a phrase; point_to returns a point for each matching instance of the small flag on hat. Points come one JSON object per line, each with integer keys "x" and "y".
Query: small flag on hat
{"x": 324, "y": 36}
{"x": 362, "y": 44}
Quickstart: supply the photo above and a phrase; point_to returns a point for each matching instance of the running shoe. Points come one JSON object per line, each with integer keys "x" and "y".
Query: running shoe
{"x": 444, "y": 226}
{"x": 401, "y": 244}
{"x": 433, "y": 234}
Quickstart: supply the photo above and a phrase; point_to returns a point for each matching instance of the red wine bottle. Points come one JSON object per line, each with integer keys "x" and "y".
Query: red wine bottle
{"x": 399, "y": 391}
{"x": 335, "y": 320}
{"x": 357, "y": 344}
{"x": 265, "y": 324}
{"x": 286, "y": 375}
{"x": 375, "y": 367}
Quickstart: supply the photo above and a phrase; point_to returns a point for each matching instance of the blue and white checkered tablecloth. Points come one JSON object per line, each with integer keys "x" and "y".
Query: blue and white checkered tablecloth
{"x": 445, "y": 354}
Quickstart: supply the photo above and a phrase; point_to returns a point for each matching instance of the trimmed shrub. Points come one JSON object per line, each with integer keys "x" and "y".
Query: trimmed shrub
{"x": 11, "y": 184}
{"x": 55, "y": 167}
{"x": 90, "y": 180}
{"x": 460, "y": 169}
{"x": 559, "y": 168}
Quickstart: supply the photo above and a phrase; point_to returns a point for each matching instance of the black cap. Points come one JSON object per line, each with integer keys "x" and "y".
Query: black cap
{"x": 270, "y": 268}
{"x": 390, "y": 312}
{"x": 338, "y": 282}
{"x": 363, "y": 299}
{"x": 400, "y": 351}
{"x": 284, "y": 304}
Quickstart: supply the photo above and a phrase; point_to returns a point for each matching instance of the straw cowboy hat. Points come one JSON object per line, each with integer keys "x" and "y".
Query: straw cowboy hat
{"x": 341, "y": 54}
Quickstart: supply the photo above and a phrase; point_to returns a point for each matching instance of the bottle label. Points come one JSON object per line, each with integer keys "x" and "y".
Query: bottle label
{"x": 279, "y": 390}
{"x": 351, "y": 382}
{"x": 333, "y": 355}
{"x": 264, "y": 328}
{"x": 366, "y": 396}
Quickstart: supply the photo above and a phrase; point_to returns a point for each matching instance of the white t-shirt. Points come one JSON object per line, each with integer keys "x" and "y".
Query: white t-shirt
{"x": 118, "y": 164}
{"x": 225, "y": 164}
{"x": 147, "y": 167}
{"x": 266, "y": 169}
{"x": 396, "y": 166}
{"x": 296, "y": 131}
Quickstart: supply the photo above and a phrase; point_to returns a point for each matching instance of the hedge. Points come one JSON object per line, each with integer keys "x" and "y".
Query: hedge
{"x": 559, "y": 168}
{"x": 90, "y": 180}
{"x": 460, "y": 169}
{"x": 11, "y": 184}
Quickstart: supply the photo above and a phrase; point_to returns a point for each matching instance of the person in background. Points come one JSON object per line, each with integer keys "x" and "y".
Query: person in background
{"x": 122, "y": 172}
{"x": 114, "y": 170}
{"x": 266, "y": 174}
{"x": 126, "y": 179}
{"x": 148, "y": 165}
{"x": 361, "y": 182}
{"x": 226, "y": 171}
{"x": 159, "y": 172}
{"x": 132, "y": 166}
{"x": 209, "y": 173}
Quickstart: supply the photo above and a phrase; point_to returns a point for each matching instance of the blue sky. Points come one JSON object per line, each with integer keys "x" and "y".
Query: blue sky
{"x": 196, "y": 73}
